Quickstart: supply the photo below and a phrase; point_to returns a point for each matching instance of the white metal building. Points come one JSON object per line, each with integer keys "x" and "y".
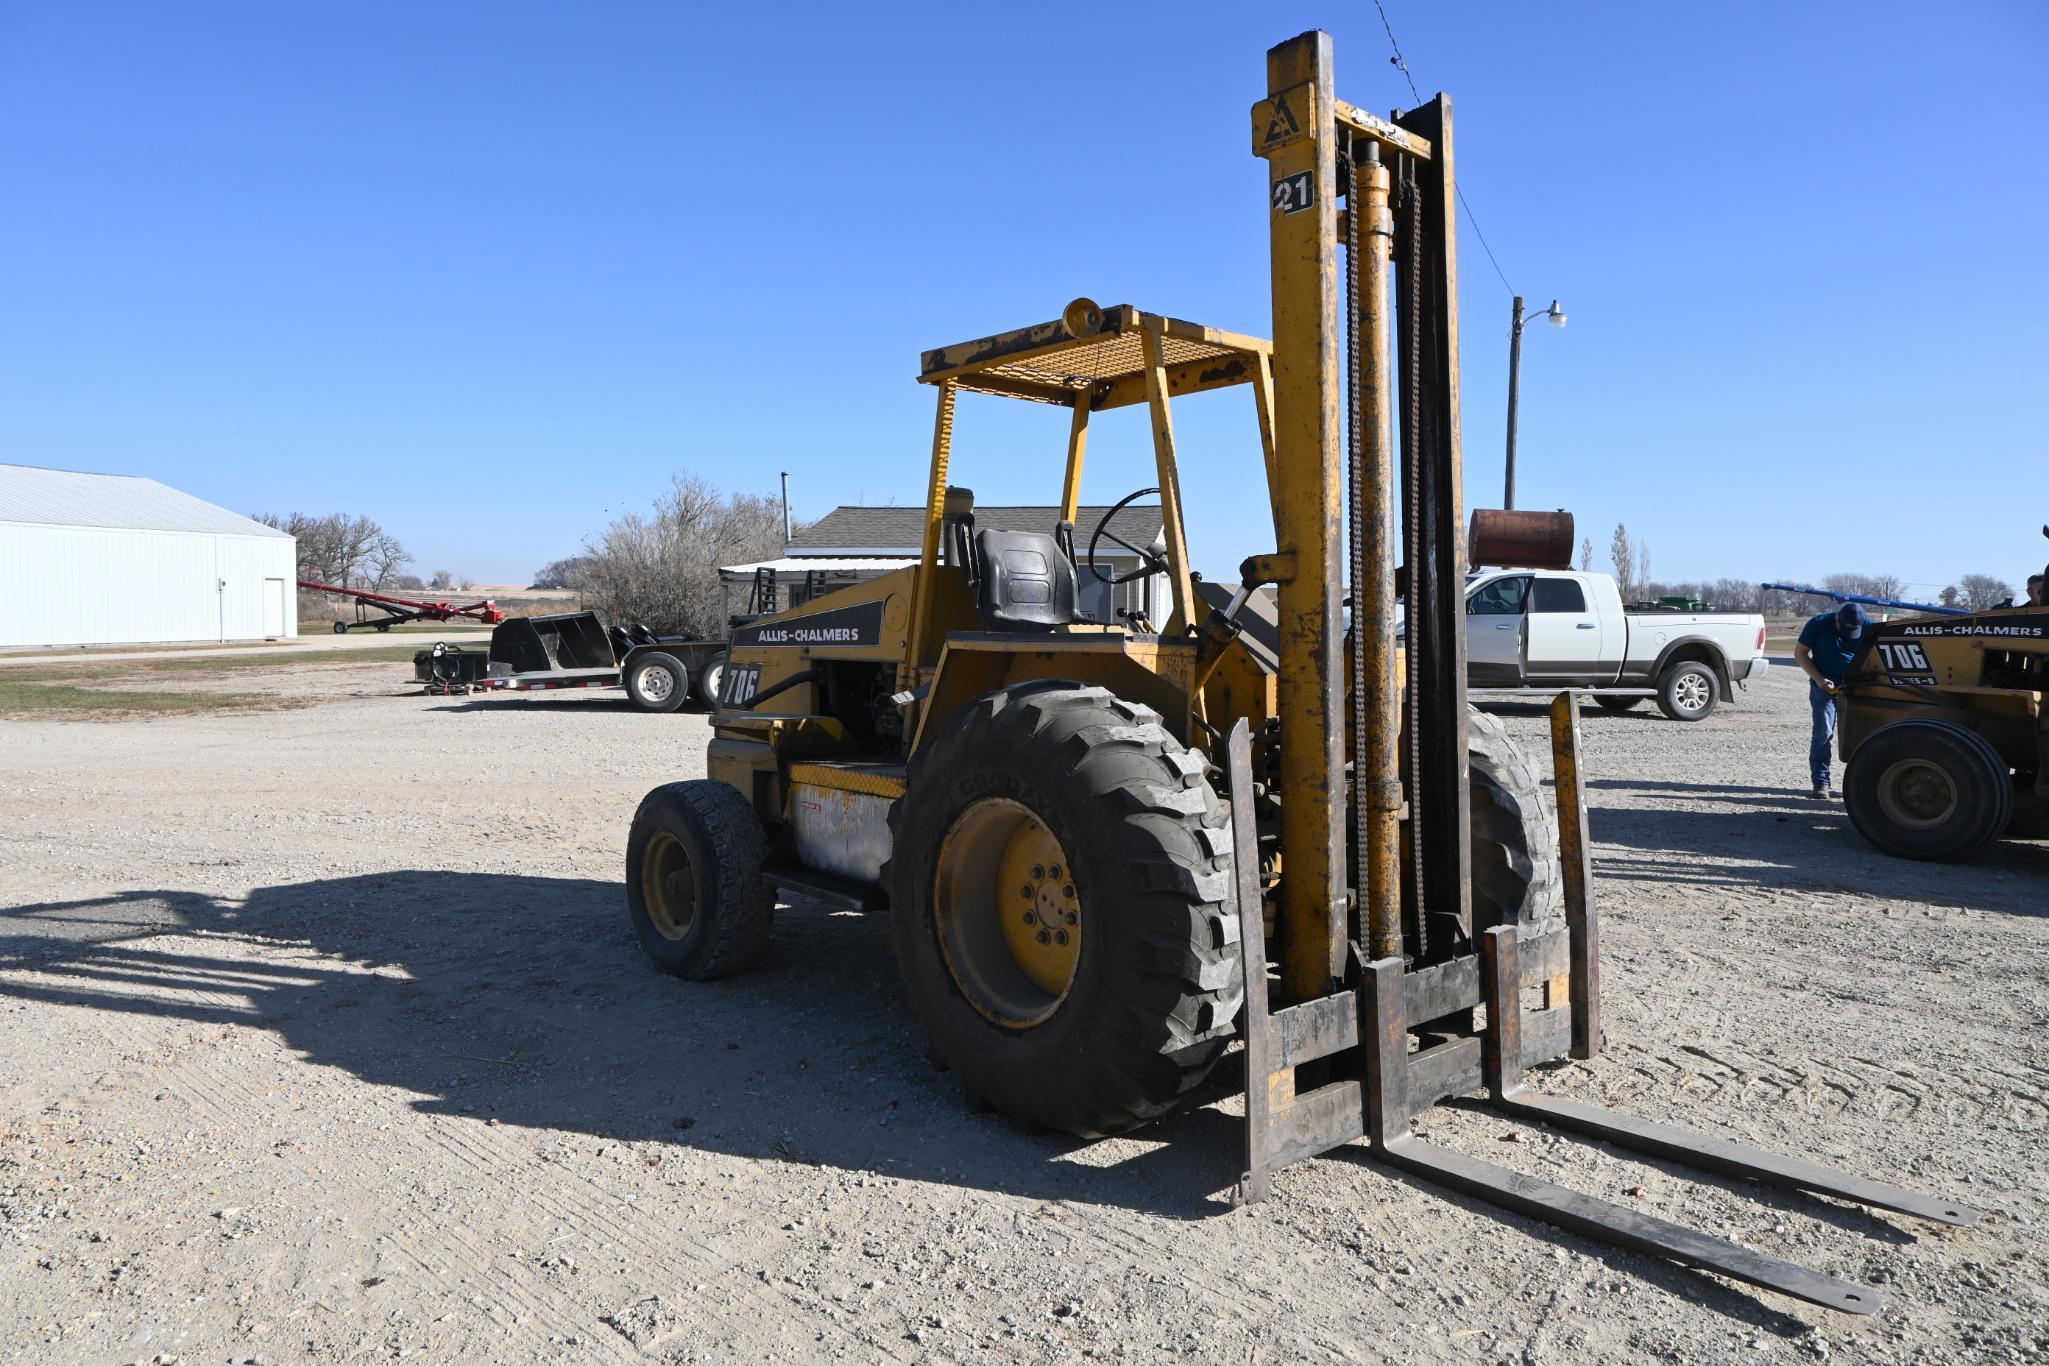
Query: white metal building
{"x": 102, "y": 559}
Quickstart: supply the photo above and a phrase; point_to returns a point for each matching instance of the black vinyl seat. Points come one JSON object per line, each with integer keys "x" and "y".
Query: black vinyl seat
{"x": 1025, "y": 581}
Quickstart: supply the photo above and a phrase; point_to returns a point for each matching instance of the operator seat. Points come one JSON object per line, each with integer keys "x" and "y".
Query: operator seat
{"x": 1026, "y": 581}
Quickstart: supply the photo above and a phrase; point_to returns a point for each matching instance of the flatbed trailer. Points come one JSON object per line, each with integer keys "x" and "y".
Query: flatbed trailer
{"x": 573, "y": 650}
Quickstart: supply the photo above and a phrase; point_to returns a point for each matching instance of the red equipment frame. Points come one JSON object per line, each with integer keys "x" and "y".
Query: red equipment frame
{"x": 399, "y": 610}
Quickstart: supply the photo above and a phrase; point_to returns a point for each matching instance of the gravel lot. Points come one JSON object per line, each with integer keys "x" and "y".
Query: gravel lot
{"x": 326, "y": 1039}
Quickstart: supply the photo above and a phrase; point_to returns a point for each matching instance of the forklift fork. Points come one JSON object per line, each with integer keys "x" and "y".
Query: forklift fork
{"x": 1384, "y": 1073}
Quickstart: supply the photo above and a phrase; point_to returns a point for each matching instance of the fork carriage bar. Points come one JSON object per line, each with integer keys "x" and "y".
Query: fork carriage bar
{"x": 1363, "y": 1036}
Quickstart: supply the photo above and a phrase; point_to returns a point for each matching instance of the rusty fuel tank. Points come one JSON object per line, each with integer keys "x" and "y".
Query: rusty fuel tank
{"x": 1525, "y": 540}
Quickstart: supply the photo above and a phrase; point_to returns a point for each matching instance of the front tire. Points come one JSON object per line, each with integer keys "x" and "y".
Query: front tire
{"x": 657, "y": 682}
{"x": 1517, "y": 876}
{"x": 1928, "y": 789}
{"x": 1688, "y": 691}
{"x": 1129, "y": 999}
{"x": 693, "y": 880}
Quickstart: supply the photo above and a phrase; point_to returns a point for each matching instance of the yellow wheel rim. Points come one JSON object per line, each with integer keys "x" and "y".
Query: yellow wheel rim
{"x": 1007, "y": 913}
{"x": 1917, "y": 794}
{"x": 667, "y": 887}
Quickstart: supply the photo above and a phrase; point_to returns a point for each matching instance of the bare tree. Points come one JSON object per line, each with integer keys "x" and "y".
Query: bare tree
{"x": 563, "y": 573}
{"x": 352, "y": 552}
{"x": 1643, "y": 564}
{"x": 1983, "y": 591}
{"x": 443, "y": 580}
{"x": 1586, "y": 554}
{"x": 1735, "y": 595}
{"x": 661, "y": 569}
{"x": 1623, "y": 556}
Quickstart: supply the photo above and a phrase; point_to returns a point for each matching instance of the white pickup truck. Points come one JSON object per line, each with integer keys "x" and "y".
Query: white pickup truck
{"x": 1540, "y": 630}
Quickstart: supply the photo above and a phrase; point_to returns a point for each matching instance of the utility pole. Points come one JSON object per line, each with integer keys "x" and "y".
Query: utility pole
{"x": 1515, "y": 370}
{"x": 786, "y": 508}
{"x": 1556, "y": 317}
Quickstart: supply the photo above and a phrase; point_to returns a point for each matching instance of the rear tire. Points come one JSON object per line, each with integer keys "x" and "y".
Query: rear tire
{"x": 693, "y": 880}
{"x": 657, "y": 682}
{"x": 1688, "y": 691}
{"x": 1517, "y": 878}
{"x": 1928, "y": 789}
{"x": 1146, "y": 998}
{"x": 341, "y": 628}
{"x": 1615, "y": 703}
{"x": 709, "y": 680}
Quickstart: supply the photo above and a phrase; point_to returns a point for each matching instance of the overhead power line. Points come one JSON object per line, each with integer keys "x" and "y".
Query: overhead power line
{"x": 1401, "y": 64}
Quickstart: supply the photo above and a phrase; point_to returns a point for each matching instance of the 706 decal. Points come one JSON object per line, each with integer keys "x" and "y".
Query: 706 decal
{"x": 1902, "y": 656}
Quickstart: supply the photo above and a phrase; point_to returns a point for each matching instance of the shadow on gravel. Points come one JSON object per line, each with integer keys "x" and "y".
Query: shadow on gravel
{"x": 1792, "y": 843}
{"x": 578, "y": 699}
{"x": 526, "y": 1001}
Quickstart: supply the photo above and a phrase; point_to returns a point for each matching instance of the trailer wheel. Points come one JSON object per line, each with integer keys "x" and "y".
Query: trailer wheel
{"x": 693, "y": 880}
{"x": 1928, "y": 789}
{"x": 383, "y": 626}
{"x": 1612, "y": 703}
{"x": 1687, "y": 691}
{"x": 1060, "y": 887}
{"x": 710, "y": 679}
{"x": 341, "y": 628}
{"x": 657, "y": 682}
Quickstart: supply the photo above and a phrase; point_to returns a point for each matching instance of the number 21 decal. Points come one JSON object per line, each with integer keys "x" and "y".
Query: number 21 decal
{"x": 1294, "y": 193}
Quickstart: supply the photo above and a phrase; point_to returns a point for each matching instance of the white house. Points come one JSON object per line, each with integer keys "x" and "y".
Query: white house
{"x": 92, "y": 559}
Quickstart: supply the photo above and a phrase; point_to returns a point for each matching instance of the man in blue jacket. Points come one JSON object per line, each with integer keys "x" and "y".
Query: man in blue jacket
{"x": 1827, "y": 644}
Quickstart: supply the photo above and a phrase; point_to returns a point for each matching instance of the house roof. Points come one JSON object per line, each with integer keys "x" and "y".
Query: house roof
{"x": 901, "y": 530}
{"x": 33, "y": 496}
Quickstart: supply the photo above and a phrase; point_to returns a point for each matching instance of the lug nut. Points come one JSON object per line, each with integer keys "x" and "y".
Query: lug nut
{"x": 1038, "y": 870}
{"x": 1054, "y": 870}
{"x": 1068, "y": 891}
{"x": 1072, "y": 918}
{"x": 1060, "y": 936}
{"x": 1026, "y": 891}
{"x": 1030, "y": 919}
{"x": 1044, "y": 937}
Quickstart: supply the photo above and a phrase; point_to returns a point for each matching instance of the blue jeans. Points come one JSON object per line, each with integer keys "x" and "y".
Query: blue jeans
{"x": 1821, "y": 744}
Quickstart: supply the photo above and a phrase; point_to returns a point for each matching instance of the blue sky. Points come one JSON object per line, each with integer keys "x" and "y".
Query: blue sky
{"x": 490, "y": 273}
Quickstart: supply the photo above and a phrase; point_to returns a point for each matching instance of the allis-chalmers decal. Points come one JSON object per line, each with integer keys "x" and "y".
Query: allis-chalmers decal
{"x": 857, "y": 626}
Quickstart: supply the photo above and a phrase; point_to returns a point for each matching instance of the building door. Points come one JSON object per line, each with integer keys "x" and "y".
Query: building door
{"x": 273, "y": 609}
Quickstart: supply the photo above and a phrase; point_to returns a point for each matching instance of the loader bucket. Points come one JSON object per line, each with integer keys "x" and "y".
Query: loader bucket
{"x": 569, "y": 640}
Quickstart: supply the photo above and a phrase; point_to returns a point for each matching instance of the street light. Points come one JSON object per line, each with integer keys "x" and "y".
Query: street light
{"x": 1556, "y": 316}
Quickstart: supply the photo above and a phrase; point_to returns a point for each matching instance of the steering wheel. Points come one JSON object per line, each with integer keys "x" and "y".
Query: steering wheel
{"x": 1149, "y": 562}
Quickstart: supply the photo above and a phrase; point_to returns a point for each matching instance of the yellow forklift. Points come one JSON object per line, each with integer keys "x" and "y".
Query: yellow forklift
{"x": 1943, "y": 732}
{"x": 1093, "y": 836}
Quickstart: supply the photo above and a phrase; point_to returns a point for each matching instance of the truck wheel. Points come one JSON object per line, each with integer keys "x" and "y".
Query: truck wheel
{"x": 1609, "y": 703}
{"x": 710, "y": 679}
{"x": 693, "y": 880}
{"x": 1516, "y": 874}
{"x": 1060, "y": 884}
{"x": 341, "y": 628}
{"x": 1928, "y": 789}
{"x": 1687, "y": 691}
{"x": 657, "y": 682}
